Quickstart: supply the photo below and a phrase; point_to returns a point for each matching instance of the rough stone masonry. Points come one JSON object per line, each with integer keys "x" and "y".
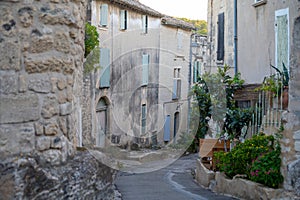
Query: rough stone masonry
{"x": 41, "y": 57}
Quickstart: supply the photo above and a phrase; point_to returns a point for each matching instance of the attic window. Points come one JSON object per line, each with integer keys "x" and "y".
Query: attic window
{"x": 259, "y": 2}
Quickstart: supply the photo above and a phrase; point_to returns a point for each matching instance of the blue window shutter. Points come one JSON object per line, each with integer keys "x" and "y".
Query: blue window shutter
{"x": 103, "y": 15}
{"x": 145, "y": 73}
{"x": 167, "y": 130}
{"x": 123, "y": 19}
{"x": 174, "y": 96}
{"x": 105, "y": 67}
{"x": 144, "y": 118}
{"x": 145, "y": 23}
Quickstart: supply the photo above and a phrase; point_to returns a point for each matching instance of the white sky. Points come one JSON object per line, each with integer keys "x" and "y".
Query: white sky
{"x": 192, "y": 9}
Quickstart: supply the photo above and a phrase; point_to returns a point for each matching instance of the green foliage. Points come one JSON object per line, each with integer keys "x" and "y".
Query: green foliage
{"x": 201, "y": 25}
{"x": 258, "y": 158}
{"x": 91, "y": 38}
{"x": 202, "y": 113}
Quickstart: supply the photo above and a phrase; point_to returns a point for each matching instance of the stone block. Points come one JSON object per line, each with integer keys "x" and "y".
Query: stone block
{"x": 56, "y": 143}
{"x": 39, "y": 128}
{"x": 21, "y": 108}
{"x": 53, "y": 84}
{"x": 41, "y": 85}
{"x": 52, "y": 156}
{"x": 50, "y": 107}
{"x": 62, "y": 43}
{"x": 51, "y": 129}
{"x": 297, "y": 135}
{"x": 62, "y": 96}
{"x": 22, "y": 83}
{"x": 66, "y": 109}
{"x": 297, "y": 146}
{"x": 41, "y": 44}
{"x": 8, "y": 84}
{"x": 57, "y": 16}
{"x": 26, "y": 16}
{"x": 43, "y": 143}
{"x": 69, "y": 94}
{"x": 10, "y": 56}
{"x": 17, "y": 138}
{"x": 63, "y": 125}
{"x": 203, "y": 175}
{"x": 61, "y": 84}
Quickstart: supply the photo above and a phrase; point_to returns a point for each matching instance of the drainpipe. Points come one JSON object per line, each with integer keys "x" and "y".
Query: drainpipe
{"x": 235, "y": 39}
{"x": 190, "y": 83}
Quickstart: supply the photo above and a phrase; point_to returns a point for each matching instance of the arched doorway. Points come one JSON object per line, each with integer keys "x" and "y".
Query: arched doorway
{"x": 102, "y": 122}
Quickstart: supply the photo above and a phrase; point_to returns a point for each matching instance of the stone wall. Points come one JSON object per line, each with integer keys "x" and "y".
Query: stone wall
{"x": 41, "y": 55}
{"x": 24, "y": 178}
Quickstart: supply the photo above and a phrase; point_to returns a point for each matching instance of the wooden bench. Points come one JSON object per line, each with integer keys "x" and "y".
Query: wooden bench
{"x": 207, "y": 149}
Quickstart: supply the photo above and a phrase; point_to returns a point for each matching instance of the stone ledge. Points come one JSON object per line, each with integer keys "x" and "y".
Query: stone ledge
{"x": 237, "y": 187}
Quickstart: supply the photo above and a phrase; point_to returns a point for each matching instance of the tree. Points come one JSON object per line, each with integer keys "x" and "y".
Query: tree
{"x": 91, "y": 38}
{"x": 201, "y": 25}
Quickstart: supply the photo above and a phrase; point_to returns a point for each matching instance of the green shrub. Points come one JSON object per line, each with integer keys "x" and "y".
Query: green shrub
{"x": 91, "y": 38}
{"x": 258, "y": 158}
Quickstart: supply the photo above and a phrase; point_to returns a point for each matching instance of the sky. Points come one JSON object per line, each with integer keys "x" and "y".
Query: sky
{"x": 192, "y": 9}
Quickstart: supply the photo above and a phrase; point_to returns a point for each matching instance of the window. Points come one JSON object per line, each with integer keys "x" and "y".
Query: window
{"x": 145, "y": 23}
{"x": 104, "y": 15}
{"x": 179, "y": 40}
{"x": 144, "y": 118}
{"x": 197, "y": 70}
{"x": 123, "y": 19}
{"x": 220, "y": 50}
{"x": 145, "y": 69}
{"x": 176, "y": 83}
{"x": 105, "y": 67}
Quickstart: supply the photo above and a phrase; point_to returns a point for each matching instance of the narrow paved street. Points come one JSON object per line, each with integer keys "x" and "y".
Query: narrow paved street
{"x": 173, "y": 182}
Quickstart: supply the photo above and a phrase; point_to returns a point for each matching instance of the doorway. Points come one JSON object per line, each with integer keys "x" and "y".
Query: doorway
{"x": 101, "y": 113}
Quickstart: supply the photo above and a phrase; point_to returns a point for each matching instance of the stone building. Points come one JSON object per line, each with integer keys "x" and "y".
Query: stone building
{"x": 140, "y": 53}
{"x": 267, "y": 34}
{"x": 41, "y": 57}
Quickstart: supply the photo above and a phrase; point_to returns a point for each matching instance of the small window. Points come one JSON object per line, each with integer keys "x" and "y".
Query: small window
{"x": 197, "y": 71}
{"x": 144, "y": 118}
{"x": 104, "y": 15}
{"x": 145, "y": 69}
{"x": 123, "y": 19}
{"x": 176, "y": 84}
{"x": 145, "y": 23}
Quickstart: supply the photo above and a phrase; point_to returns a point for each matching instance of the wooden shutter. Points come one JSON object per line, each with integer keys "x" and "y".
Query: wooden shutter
{"x": 282, "y": 41}
{"x": 167, "y": 129}
{"x": 123, "y": 19}
{"x": 105, "y": 67}
{"x": 220, "y": 50}
{"x": 145, "y": 69}
{"x": 197, "y": 68}
{"x": 145, "y": 23}
{"x": 103, "y": 15}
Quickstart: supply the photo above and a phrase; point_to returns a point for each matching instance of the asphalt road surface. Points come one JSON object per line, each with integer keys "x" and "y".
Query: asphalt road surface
{"x": 174, "y": 182}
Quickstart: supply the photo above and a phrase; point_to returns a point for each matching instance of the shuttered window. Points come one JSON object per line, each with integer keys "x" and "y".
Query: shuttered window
{"x": 145, "y": 69}
{"x": 123, "y": 19}
{"x": 197, "y": 70}
{"x": 167, "y": 129}
{"x": 105, "y": 67}
{"x": 282, "y": 39}
{"x": 104, "y": 15}
{"x": 145, "y": 23}
{"x": 220, "y": 50}
{"x": 176, "y": 84}
{"x": 144, "y": 118}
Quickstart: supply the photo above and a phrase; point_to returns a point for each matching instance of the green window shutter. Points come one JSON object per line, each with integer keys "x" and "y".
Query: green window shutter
{"x": 145, "y": 69}
{"x": 105, "y": 67}
{"x": 167, "y": 129}
{"x": 123, "y": 19}
{"x": 221, "y": 29}
{"x": 144, "y": 117}
{"x": 104, "y": 15}
{"x": 145, "y": 23}
{"x": 282, "y": 39}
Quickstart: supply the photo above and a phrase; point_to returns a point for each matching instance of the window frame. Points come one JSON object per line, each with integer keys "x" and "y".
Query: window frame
{"x": 123, "y": 19}
{"x": 103, "y": 22}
